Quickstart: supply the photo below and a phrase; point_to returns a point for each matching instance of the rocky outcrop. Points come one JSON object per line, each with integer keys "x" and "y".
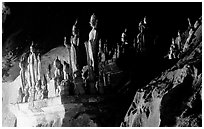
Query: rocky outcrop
{"x": 174, "y": 98}
{"x": 72, "y": 111}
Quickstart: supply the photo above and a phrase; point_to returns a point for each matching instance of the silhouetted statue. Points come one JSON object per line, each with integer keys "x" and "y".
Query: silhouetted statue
{"x": 31, "y": 98}
{"x": 101, "y": 53}
{"x": 124, "y": 41}
{"x": 39, "y": 67}
{"x": 197, "y": 23}
{"x": 26, "y": 94}
{"x": 32, "y": 60}
{"x": 44, "y": 87}
{"x": 91, "y": 81}
{"x": 65, "y": 42}
{"x": 39, "y": 91}
{"x": 92, "y": 44}
{"x": 101, "y": 58}
{"x": 22, "y": 73}
{"x": 117, "y": 50}
{"x": 189, "y": 23}
{"x": 171, "y": 54}
{"x": 141, "y": 42}
{"x": 178, "y": 45}
{"x": 58, "y": 74}
{"x": 20, "y": 95}
{"x": 68, "y": 47}
{"x": 66, "y": 70}
{"x": 79, "y": 84}
{"x": 105, "y": 50}
{"x": 32, "y": 63}
{"x": 74, "y": 47}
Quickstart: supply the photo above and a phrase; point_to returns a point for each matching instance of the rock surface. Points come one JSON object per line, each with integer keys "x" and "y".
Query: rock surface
{"x": 174, "y": 98}
{"x": 72, "y": 111}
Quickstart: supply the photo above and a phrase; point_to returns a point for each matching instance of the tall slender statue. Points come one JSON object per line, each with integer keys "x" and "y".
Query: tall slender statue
{"x": 92, "y": 44}
{"x": 39, "y": 67}
{"x": 101, "y": 53}
{"x": 22, "y": 73}
{"x": 66, "y": 70}
{"x": 31, "y": 65}
{"x": 124, "y": 41}
{"x": 171, "y": 54}
{"x": 44, "y": 87}
{"x": 68, "y": 47}
{"x": 58, "y": 74}
{"x": 141, "y": 36}
{"x": 32, "y": 73}
{"x": 74, "y": 47}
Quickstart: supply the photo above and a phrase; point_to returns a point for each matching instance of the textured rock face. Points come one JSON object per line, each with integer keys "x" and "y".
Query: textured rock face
{"x": 174, "y": 98}
{"x": 84, "y": 111}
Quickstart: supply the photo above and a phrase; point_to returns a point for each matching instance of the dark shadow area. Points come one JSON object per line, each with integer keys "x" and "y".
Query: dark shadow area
{"x": 172, "y": 102}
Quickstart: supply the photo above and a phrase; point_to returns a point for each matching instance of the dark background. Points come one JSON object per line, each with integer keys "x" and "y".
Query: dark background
{"x": 47, "y": 23}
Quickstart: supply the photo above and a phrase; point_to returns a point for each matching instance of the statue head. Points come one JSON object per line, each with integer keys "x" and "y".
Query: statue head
{"x": 20, "y": 65}
{"x": 75, "y": 29}
{"x": 125, "y": 30}
{"x": 139, "y": 26}
{"x": 100, "y": 44}
{"x": 38, "y": 57}
{"x": 173, "y": 41}
{"x": 145, "y": 20}
{"x": 93, "y": 21}
{"x": 123, "y": 35}
{"x": 178, "y": 32}
{"x": 32, "y": 49}
{"x": 65, "y": 40}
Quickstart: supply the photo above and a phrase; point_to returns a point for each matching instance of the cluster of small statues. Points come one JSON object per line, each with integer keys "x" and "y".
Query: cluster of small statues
{"x": 33, "y": 85}
{"x": 69, "y": 77}
{"x": 72, "y": 79}
{"x": 177, "y": 47}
